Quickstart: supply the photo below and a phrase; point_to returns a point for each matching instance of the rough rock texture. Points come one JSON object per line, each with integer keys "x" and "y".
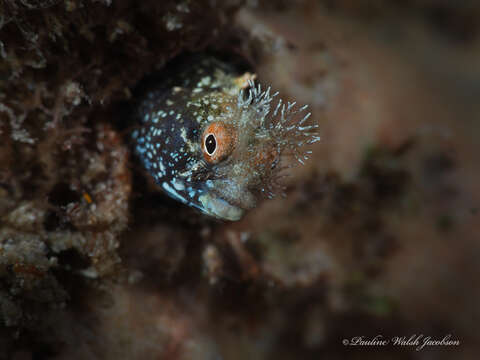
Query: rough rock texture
{"x": 65, "y": 176}
{"x": 378, "y": 233}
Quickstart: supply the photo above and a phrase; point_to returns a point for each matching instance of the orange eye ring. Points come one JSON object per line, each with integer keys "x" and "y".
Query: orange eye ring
{"x": 218, "y": 141}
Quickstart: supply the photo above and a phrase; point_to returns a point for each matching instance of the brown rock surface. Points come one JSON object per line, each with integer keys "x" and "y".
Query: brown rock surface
{"x": 378, "y": 234}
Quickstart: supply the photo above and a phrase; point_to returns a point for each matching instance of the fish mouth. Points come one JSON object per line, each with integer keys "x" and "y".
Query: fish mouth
{"x": 226, "y": 199}
{"x": 221, "y": 208}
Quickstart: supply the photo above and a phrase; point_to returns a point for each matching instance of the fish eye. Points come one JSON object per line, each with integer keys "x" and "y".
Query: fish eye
{"x": 218, "y": 141}
{"x": 210, "y": 144}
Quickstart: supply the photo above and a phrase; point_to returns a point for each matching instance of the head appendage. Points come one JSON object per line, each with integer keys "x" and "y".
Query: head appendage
{"x": 283, "y": 127}
{"x": 283, "y": 124}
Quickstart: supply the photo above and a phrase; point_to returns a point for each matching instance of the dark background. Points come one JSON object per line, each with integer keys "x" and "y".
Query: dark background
{"x": 378, "y": 234}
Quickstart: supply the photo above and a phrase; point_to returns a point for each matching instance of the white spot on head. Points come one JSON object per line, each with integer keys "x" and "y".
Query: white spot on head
{"x": 183, "y": 134}
{"x": 205, "y": 80}
{"x": 171, "y": 191}
{"x": 178, "y": 184}
{"x": 162, "y": 167}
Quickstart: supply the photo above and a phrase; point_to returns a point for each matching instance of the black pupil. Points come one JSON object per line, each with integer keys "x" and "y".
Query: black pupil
{"x": 210, "y": 144}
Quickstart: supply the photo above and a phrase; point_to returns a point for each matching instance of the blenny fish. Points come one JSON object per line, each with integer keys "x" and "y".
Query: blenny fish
{"x": 213, "y": 139}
